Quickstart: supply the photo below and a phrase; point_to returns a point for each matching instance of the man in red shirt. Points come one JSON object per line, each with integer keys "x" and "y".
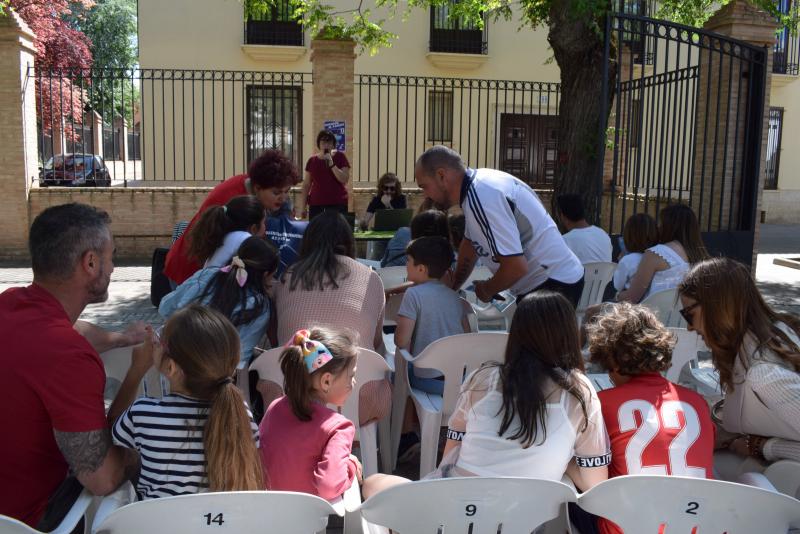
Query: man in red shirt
{"x": 655, "y": 427}
{"x": 52, "y": 411}
{"x": 269, "y": 178}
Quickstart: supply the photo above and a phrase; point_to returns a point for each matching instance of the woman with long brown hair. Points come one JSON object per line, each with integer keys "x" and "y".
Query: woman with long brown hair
{"x": 205, "y": 439}
{"x": 664, "y": 265}
{"x": 756, "y": 351}
{"x": 535, "y": 414}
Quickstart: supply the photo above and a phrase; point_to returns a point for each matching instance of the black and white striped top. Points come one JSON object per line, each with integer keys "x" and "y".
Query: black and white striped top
{"x": 168, "y": 433}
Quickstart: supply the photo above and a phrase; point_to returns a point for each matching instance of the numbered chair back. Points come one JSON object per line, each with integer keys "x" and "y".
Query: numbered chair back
{"x": 642, "y": 503}
{"x": 468, "y": 505}
{"x": 596, "y": 277}
{"x": 242, "y": 512}
{"x": 9, "y": 525}
{"x": 666, "y": 305}
{"x": 116, "y": 363}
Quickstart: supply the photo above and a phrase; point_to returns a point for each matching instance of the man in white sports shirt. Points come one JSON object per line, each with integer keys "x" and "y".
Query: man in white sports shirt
{"x": 507, "y": 227}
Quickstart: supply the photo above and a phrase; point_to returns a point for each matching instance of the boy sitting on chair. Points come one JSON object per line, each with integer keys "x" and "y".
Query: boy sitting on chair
{"x": 430, "y": 310}
{"x": 655, "y": 427}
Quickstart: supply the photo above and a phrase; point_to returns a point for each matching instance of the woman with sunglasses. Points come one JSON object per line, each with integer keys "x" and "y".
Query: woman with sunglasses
{"x": 756, "y": 351}
{"x": 389, "y": 196}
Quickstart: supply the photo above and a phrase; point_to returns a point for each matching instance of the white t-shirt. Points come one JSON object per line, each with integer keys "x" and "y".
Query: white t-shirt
{"x": 225, "y": 252}
{"x": 591, "y": 245}
{"x": 477, "y": 418}
{"x": 504, "y": 217}
{"x": 626, "y": 268}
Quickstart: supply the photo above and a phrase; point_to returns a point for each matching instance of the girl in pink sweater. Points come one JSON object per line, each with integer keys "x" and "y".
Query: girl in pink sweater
{"x": 306, "y": 446}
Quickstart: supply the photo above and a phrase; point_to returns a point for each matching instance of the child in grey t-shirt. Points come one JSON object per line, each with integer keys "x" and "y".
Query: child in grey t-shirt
{"x": 430, "y": 310}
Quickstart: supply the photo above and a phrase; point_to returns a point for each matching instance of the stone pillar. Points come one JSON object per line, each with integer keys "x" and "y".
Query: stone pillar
{"x": 333, "y": 67}
{"x": 739, "y": 20}
{"x": 121, "y": 135}
{"x": 97, "y": 138}
{"x": 18, "y": 148}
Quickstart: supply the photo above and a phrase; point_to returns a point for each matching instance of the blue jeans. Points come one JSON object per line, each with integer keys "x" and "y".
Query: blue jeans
{"x": 428, "y": 385}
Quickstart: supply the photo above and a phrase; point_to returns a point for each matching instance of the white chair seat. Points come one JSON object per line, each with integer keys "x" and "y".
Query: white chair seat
{"x": 600, "y": 381}
{"x": 473, "y": 504}
{"x": 641, "y": 503}
{"x": 243, "y": 512}
{"x": 9, "y": 525}
{"x": 666, "y": 305}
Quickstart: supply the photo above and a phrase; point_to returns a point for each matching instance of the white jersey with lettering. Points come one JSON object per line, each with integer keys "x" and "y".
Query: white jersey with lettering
{"x": 504, "y": 217}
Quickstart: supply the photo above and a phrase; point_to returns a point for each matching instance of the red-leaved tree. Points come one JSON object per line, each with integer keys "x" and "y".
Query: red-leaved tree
{"x": 58, "y": 48}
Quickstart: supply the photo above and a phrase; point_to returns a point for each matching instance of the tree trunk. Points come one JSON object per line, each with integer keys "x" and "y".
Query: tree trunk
{"x": 578, "y": 47}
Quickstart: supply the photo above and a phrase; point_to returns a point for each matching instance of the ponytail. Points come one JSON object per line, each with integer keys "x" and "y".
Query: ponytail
{"x": 208, "y": 233}
{"x": 232, "y": 459}
{"x": 297, "y": 384}
{"x": 205, "y": 345}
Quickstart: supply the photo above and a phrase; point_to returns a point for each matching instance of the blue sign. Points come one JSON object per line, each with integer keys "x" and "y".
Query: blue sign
{"x": 337, "y": 128}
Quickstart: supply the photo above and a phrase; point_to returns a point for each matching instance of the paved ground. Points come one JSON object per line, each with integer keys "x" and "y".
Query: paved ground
{"x": 129, "y": 294}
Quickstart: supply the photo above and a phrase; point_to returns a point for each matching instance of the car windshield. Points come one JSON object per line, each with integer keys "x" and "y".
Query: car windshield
{"x": 69, "y": 163}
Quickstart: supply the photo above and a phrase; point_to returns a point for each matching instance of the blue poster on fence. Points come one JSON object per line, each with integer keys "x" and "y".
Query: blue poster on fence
{"x": 337, "y": 127}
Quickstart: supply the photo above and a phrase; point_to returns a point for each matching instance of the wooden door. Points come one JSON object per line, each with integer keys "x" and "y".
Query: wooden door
{"x": 528, "y": 147}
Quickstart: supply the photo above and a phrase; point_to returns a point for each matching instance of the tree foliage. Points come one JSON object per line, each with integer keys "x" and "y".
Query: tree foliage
{"x": 110, "y": 25}
{"x": 58, "y": 46}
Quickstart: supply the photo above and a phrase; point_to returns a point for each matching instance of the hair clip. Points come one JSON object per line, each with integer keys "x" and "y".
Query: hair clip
{"x": 315, "y": 354}
{"x": 241, "y": 272}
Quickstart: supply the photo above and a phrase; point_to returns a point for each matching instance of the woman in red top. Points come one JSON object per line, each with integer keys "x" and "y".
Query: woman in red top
{"x": 327, "y": 173}
{"x": 269, "y": 178}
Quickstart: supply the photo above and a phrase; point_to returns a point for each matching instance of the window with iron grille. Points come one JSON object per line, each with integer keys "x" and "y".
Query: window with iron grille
{"x": 786, "y": 51}
{"x": 274, "y": 120}
{"x": 774, "y": 136}
{"x": 440, "y": 116}
{"x": 456, "y": 35}
{"x": 275, "y": 26}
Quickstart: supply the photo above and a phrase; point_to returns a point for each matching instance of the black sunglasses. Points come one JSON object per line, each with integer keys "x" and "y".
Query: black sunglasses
{"x": 686, "y": 313}
{"x": 389, "y": 189}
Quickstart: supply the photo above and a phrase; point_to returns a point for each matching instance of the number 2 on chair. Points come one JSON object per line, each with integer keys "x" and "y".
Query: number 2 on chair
{"x": 216, "y": 519}
{"x": 650, "y": 427}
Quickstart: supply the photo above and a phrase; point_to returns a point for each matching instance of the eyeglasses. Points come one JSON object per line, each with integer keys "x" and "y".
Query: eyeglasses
{"x": 686, "y": 313}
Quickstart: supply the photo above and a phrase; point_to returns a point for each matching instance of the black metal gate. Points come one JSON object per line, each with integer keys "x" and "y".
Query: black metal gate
{"x": 685, "y": 126}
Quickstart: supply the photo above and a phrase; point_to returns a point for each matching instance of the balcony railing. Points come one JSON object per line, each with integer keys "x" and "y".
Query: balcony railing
{"x": 456, "y": 35}
{"x": 786, "y": 53}
{"x": 275, "y": 27}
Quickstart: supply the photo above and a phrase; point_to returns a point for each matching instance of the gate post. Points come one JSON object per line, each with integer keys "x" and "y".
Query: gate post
{"x": 742, "y": 21}
{"x": 333, "y": 68}
{"x": 18, "y": 148}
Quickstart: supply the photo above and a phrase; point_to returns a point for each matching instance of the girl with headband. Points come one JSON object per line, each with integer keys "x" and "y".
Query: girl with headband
{"x": 205, "y": 439}
{"x": 307, "y": 446}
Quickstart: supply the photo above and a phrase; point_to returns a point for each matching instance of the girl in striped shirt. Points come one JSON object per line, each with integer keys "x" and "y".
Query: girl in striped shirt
{"x": 201, "y": 437}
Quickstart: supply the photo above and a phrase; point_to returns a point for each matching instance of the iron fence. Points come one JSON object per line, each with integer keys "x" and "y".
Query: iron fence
{"x": 184, "y": 124}
{"x": 510, "y": 125}
{"x": 687, "y": 127}
{"x": 786, "y": 53}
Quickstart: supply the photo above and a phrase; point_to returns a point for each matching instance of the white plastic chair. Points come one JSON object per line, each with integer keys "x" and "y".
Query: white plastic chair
{"x": 373, "y": 264}
{"x": 9, "y": 525}
{"x": 640, "y": 503}
{"x": 242, "y": 512}
{"x": 116, "y": 363}
{"x": 393, "y": 276}
{"x": 596, "y": 276}
{"x": 473, "y": 504}
{"x": 371, "y": 366}
{"x": 785, "y": 476}
{"x": 478, "y": 273}
{"x": 455, "y": 357}
{"x": 666, "y": 305}
{"x": 684, "y": 352}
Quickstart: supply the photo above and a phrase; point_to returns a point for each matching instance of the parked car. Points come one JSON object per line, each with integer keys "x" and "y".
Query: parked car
{"x": 75, "y": 170}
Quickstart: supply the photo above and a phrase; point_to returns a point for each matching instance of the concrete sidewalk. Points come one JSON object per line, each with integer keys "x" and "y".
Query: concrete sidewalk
{"x": 129, "y": 293}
